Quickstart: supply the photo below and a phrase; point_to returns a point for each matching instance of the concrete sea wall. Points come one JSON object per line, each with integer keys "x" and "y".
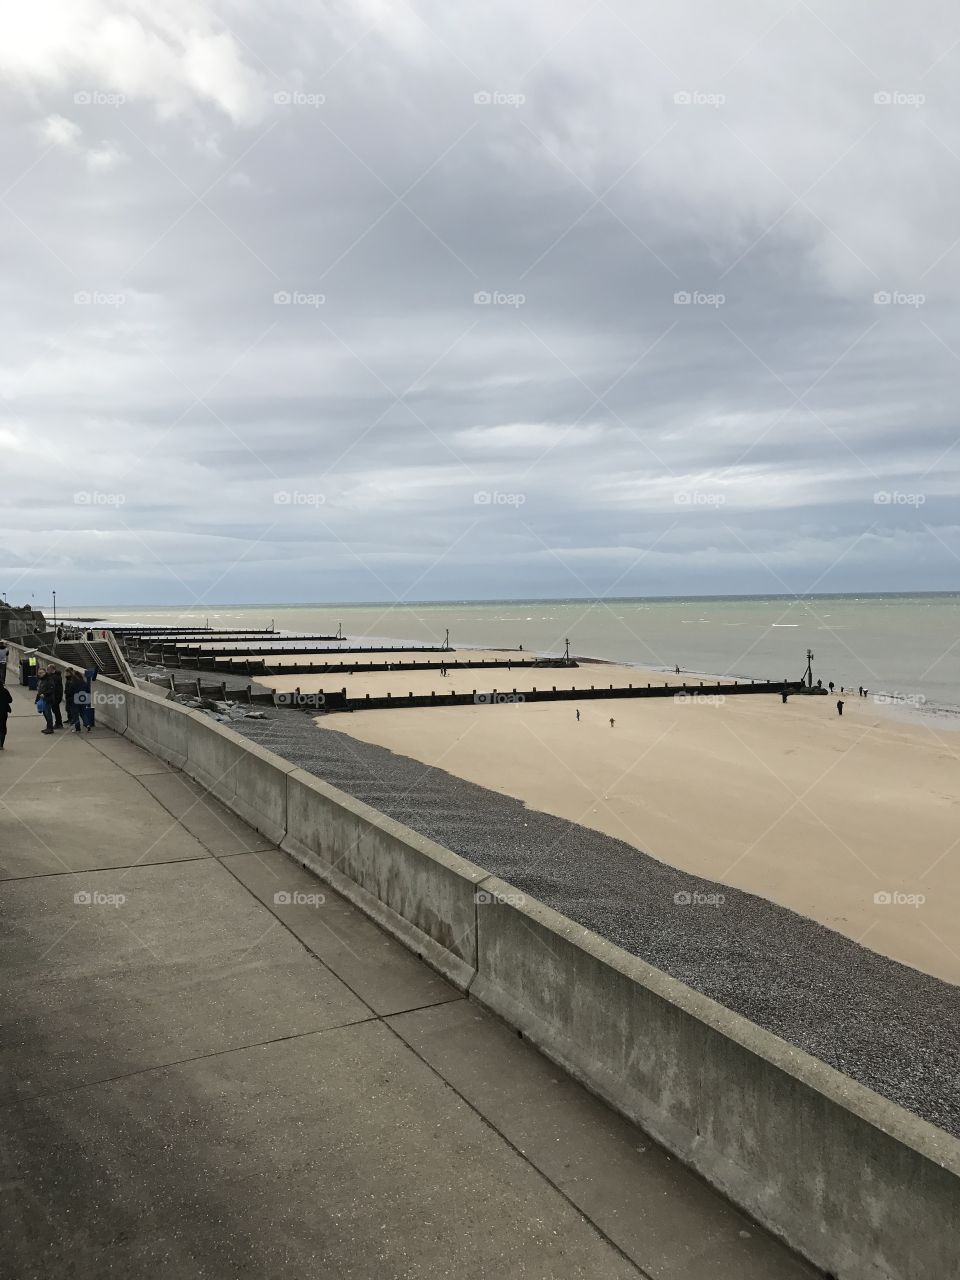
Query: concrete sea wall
{"x": 861, "y": 1187}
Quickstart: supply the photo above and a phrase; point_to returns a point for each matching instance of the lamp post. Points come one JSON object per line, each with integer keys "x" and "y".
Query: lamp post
{"x": 54, "y": 608}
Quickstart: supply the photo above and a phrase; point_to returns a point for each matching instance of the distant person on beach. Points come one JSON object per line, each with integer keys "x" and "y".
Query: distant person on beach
{"x": 783, "y": 696}
{"x": 830, "y": 686}
{"x": 578, "y": 715}
{"x": 4, "y": 657}
{"x": 678, "y": 670}
{"x": 839, "y": 706}
{"x": 860, "y": 691}
{"x": 611, "y": 722}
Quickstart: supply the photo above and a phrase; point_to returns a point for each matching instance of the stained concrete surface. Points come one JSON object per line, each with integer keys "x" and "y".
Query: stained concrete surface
{"x": 201, "y": 1080}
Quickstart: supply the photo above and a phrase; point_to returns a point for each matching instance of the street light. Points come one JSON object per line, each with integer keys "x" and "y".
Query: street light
{"x": 54, "y": 608}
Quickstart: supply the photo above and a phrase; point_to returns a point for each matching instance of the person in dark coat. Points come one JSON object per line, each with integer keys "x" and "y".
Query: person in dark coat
{"x": 6, "y": 702}
{"x": 83, "y": 701}
{"x": 72, "y": 686}
{"x": 46, "y": 689}
{"x": 57, "y": 698}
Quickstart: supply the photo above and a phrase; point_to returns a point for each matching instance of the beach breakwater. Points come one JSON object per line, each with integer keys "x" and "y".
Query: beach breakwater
{"x": 863, "y": 1188}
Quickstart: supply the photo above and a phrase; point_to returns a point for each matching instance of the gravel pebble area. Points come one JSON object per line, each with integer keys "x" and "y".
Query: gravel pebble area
{"x": 884, "y": 1024}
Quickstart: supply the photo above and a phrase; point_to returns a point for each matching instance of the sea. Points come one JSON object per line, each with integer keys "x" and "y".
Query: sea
{"x": 904, "y": 648}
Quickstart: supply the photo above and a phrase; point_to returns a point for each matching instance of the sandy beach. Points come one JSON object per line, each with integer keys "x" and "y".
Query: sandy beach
{"x": 852, "y": 822}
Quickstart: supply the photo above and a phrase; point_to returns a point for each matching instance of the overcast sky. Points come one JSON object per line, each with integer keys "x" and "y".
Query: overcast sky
{"x": 383, "y": 300}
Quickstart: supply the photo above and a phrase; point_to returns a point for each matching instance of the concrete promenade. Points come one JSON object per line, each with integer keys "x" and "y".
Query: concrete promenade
{"x": 198, "y": 1080}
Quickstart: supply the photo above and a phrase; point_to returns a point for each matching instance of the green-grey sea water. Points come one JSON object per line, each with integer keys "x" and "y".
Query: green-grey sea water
{"x": 907, "y": 646}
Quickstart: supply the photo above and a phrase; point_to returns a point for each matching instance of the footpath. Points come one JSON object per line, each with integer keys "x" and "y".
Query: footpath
{"x": 212, "y": 1066}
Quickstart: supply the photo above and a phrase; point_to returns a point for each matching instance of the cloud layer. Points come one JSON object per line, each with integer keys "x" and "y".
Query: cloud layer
{"x": 378, "y": 301}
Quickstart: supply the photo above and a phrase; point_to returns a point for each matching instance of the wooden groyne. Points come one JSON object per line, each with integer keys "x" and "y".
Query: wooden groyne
{"x": 261, "y": 667}
{"x": 338, "y": 700}
{"x": 178, "y": 655}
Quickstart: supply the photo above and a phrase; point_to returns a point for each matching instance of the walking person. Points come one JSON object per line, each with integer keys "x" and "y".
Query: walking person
{"x": 57, "y": 697}
{"x": 6, "y": 702}
{"x": 839, "y": 706}
{"x": 612, "y": 722}
{"x": 46, "y": 687}
{"x": 83, "y": 700}
{"x": 578, "y": 715}
{"x": 4, "y": 658}
{"x": 72, "y": 686}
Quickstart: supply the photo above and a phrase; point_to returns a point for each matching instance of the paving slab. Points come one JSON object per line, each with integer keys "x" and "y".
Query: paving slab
{"x": 384, "y": 974}
{"x": 30, "y": 755}
{"x": 214, "y": 825}
{"x": 338, "y": 1154}
{"x": 186, "y": 963}
{"x": 130, "y": 757}
{"x": 85, "y": 823}
{"x": 661, "y": 1214}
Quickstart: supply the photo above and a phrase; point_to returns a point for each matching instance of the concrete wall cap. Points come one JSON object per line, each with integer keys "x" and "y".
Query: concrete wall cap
{"x": 374, "y": 818}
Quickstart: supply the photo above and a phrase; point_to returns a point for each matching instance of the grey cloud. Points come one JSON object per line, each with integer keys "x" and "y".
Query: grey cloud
{"x": 579, "y": 384}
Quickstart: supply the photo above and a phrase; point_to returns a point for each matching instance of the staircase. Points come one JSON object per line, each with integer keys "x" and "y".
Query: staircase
{"x": 91, "y": 654}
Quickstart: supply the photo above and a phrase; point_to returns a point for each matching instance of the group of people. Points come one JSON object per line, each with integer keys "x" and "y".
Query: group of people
{"x": 52, "y": 690}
